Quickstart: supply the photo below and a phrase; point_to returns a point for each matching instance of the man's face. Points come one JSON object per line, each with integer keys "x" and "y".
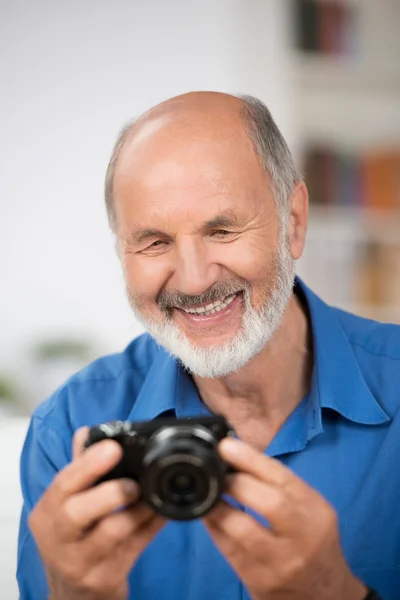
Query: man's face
{"x": 207, "y": 268}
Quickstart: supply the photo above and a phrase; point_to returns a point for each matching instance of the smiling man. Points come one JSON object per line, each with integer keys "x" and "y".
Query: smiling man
{"x": 210, "y": 215}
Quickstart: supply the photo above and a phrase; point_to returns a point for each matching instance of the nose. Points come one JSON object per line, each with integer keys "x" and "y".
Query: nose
{"x": 195, "y": 269}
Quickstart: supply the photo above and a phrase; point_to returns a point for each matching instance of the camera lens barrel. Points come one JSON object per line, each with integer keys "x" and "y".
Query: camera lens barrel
{"x": 182, "y": 473}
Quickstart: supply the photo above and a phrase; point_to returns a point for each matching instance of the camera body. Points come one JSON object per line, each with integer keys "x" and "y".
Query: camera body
{"x": 175, "y": 461}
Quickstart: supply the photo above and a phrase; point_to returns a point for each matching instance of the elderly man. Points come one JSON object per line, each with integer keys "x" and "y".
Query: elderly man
{"x": 209, "y": 215}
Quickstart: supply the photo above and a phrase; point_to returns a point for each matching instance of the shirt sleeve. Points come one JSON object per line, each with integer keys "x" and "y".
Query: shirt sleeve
{"x": 44, "y": 454}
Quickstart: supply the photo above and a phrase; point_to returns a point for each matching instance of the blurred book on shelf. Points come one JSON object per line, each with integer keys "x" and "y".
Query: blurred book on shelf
{"x": 352, "y": 255}
{"x": 345, "y": 71}
{"x": 327, "y": 27}
{"x": 378, "y": 276}
{"x": 381, "y": 180}
{"x": 368, "y": 180}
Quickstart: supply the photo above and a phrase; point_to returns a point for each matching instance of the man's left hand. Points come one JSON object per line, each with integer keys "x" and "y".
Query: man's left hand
{"x": 298, "y": 556}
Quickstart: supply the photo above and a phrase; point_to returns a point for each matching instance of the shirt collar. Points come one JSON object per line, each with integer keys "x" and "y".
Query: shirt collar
{"x": 167, "y": 387}
{"x": 158, "y": 392}
{"x": 338, "y": 382}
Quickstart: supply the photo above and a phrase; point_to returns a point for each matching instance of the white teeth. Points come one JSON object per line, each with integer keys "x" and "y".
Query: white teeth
{"x": 211, "y": 308}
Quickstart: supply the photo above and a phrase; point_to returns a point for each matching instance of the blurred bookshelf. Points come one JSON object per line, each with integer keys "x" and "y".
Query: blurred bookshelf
{"x": 346, "y": 77}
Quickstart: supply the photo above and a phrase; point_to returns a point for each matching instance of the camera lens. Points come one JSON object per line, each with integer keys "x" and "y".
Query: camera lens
{"x": 183, "y": 475}
{"x": 182, "y": 484}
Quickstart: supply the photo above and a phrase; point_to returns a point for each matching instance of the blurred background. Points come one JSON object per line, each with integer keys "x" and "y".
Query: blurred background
{"x": 72, "y": 73}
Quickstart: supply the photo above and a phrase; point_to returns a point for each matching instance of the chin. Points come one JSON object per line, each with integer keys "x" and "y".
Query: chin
{"x": 211, "y": 340}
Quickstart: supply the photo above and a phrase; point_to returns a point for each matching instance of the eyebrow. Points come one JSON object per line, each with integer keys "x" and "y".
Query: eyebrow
{"x": 143, "y": 234}
{"x": 226, "y": 219}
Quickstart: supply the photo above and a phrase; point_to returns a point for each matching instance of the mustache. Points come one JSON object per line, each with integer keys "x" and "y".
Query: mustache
{"x": 174, "y": 298}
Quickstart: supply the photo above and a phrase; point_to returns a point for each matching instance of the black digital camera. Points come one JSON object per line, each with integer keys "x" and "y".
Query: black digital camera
{"x": 175, "y": 461}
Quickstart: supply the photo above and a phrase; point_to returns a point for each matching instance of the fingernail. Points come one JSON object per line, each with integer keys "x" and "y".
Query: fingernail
{"x": 230, "y": 445}
{"x": 109, "y": 448}
{"x": 131, "y": 488}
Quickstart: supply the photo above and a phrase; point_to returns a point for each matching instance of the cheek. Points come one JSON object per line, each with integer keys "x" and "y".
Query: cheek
{"x": 249, "y": 259}
{"x": 144, "y": 276}
{"x": 254, "y": 262}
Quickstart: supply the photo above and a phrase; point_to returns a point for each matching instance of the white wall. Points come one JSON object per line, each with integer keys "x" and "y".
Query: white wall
{"x": 71, "y": 74}
{"x": 12, "y": 434}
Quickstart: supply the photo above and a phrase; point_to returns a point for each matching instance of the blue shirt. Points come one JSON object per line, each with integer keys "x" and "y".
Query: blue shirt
{"x": 343, "y": 439}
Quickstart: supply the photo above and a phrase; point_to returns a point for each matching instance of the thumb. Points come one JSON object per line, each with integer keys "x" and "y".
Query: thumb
{"x": 78, "y": 442}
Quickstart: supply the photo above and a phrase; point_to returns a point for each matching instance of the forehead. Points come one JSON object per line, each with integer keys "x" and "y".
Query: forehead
{"x": 183, "y": 166}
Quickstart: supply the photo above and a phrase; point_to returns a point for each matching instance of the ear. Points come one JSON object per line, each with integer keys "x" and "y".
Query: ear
{"x": 298, "y": 219}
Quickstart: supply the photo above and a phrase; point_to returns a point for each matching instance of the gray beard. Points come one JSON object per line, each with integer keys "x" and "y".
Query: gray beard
{"x": 257, "y": 328}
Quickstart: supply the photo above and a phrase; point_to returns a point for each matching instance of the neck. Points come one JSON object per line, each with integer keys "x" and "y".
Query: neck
{"x": 258, "y": 399}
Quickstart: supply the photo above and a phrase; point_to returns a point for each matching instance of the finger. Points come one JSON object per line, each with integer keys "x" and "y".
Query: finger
{"x": 80, "y": 511}
{"x": 122, "y": 558}
{"x": 146, "y": 533}
{"x": 248, "y": 460}
{"x": 119, "y": 528}
{"x": 240, "y": 535}
{"x": 257, "y": 572}
{"x": 225, "y": 544}
{"x": 86, "y": 470}
{"x": 78, "y": 441}
{"x": 285, "y": 515}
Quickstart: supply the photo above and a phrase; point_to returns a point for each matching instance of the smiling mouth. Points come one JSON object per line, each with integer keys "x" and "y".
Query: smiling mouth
{"x": 212, "y": 307}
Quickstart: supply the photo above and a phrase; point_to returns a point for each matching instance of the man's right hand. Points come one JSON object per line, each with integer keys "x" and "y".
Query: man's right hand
{"x": 87, "y": 546}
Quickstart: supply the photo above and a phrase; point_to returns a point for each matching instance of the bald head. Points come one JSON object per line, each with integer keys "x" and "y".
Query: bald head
{"x": 199, "y": 106}
{"x": 241, "y": 122}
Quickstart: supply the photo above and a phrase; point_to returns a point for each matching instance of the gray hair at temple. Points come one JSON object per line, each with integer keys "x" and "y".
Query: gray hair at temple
{"x": 269, "y": 144}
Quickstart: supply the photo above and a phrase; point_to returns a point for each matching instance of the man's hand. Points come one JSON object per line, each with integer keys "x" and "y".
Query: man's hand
{"x": 299, "y": 556}
{"x": 88, "y": 545}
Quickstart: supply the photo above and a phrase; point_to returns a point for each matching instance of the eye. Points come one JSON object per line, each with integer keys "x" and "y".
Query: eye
{"x": 221, "y": 233}
{"x": 155, "y": 247}
{"x": 156, "y": 243}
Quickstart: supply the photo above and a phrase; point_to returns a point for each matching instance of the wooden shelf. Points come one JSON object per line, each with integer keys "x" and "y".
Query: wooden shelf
{"x": 352, "y": 223}
{"x": 316, "y": 71}
{"x": 385, "y": 314}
